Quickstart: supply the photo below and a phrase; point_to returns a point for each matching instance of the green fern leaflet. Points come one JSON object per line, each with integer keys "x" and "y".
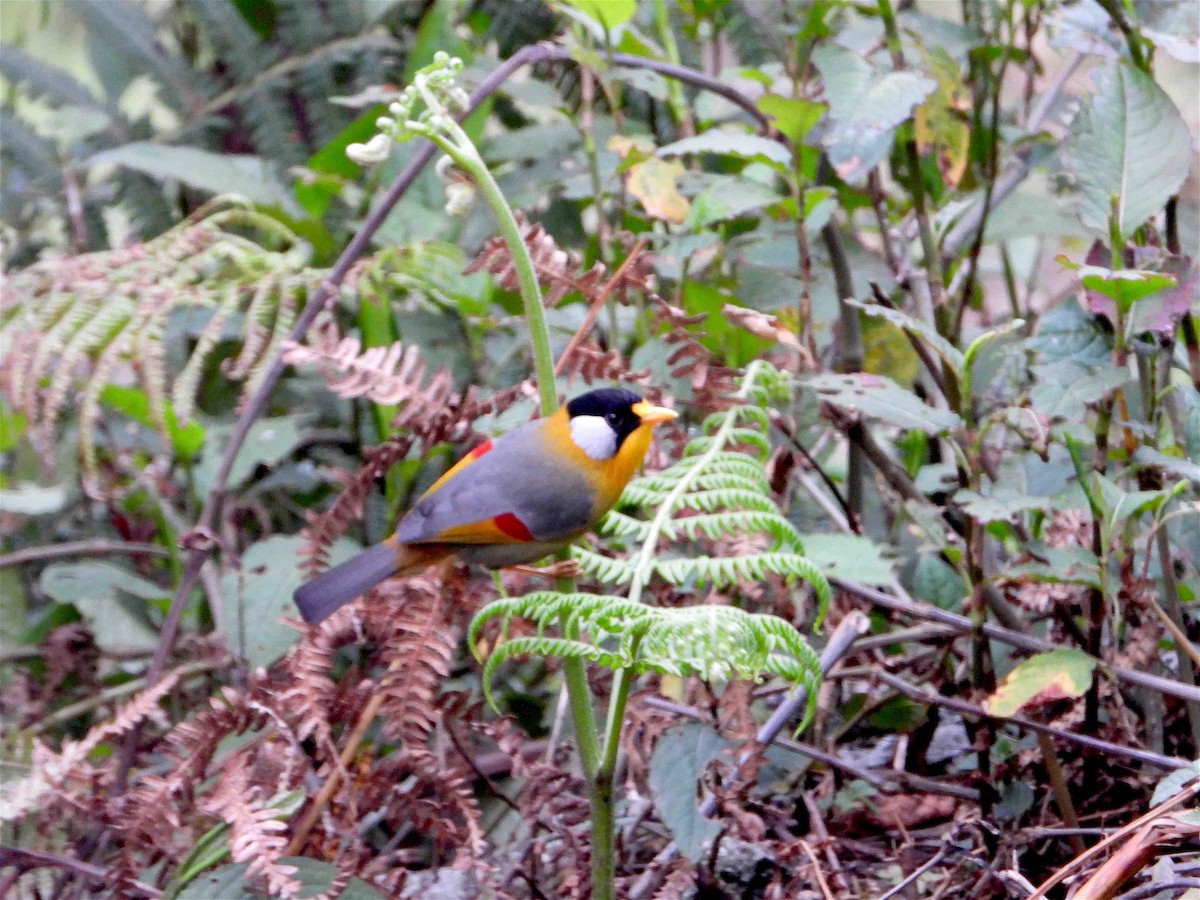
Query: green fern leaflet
{"x": 718, "y": 490}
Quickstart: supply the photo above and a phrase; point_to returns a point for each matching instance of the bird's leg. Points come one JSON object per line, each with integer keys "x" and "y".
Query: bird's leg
{"x": 566, "y": 568}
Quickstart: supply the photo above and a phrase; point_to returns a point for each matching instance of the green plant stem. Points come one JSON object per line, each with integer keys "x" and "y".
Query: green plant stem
{"x": 603, "y": 858}
{"x": 1136, "y": 54}
{"x": 1174, "y": 610}
{"x": 598, "y": 775}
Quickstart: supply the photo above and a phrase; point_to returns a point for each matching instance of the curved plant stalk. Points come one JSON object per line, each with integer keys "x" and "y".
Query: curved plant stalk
{"x": 435, "y": 87}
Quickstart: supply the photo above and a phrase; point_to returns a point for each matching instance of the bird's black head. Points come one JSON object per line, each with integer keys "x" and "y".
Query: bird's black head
{"x": 602, "y": 419}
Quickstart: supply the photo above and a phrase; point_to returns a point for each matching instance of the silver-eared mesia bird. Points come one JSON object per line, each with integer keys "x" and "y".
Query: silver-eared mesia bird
{"x": 509, "y": 501}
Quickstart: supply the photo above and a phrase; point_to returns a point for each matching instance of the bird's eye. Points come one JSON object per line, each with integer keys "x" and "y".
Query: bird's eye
{"x": 612, "y": 419}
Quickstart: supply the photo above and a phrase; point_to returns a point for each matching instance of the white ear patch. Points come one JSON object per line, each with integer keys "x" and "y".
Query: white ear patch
{"x": 594, "y": 436}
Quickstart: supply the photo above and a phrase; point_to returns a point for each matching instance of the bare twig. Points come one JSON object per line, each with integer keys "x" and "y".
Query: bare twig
{"x": 26, "y": 860}
{"x": 1027, "y": 642}
{"x": 92, "y": 547}
{"x": 970, "y": 709}
{"x": 590, "y": 319}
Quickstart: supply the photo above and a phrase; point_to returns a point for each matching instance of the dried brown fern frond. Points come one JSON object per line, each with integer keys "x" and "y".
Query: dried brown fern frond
{"x": 591, "y": 364}
{"x": 388, "y": 375}
{"x": 68, "y": 776}
{"x": 560, "y": 272}
{"x": 257, "y": 835}
{"x": 713, "y": 384}
{"x": 73, "y": 326}
{"x": 152, "y": 814}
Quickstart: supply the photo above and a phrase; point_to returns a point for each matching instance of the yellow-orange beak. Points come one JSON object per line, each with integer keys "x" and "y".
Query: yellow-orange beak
{"x": 652, "y": 415}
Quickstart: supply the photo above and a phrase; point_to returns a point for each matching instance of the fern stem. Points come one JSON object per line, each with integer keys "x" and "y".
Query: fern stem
{"x": 643, "y": 566}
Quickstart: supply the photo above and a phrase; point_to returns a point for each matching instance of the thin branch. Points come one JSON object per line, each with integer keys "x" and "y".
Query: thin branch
{"x": 92, "y": 547}
{"x": 962, "y": 707}
{"x": 25, "y": 860}
{"x": 1027, "y": 642}
{"x": 788, "y": 432}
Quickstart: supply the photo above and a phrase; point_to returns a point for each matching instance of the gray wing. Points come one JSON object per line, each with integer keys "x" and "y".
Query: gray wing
{"x": 516, "y": 476}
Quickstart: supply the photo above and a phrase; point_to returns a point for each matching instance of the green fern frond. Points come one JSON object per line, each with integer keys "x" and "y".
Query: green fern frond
{"x": 603, "y": 568}
{"x": 56, "y": 86}
{"x": 726, "y": 572}
{"x": 713, "y": 642}
{"x": 721, "y": 477}
{"x": 557, "y": 648}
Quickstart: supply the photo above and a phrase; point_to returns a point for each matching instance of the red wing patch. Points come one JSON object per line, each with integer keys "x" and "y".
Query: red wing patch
{"x": 480, "y": 450}
{"x": 513, "y": 527}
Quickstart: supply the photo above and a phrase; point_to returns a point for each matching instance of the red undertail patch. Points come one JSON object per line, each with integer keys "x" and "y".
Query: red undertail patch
{"x": 510, "y": 525}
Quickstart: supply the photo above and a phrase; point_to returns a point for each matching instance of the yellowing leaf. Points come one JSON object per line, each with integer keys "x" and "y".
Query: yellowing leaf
{"x": 1056, "y": 675}
{"x": 940, "y": 121}
{"x": 655, "y": 183}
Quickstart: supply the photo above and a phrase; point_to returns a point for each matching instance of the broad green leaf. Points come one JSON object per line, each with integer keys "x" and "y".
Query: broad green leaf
{"x": 727, "y": 197}
{"x": 729, "y": 143}
{"x": 1177, "y": 781}
{"x": 1063, "y": 390}
{"x": 213, "y": 173}
{"x": 679, "y": 759}
{"x": 1124, "y": 286}
{"x": 1055, "y": 675}
{"x": 793, "y": 116}
{"x": 866, "y": 108}
{"x": 655, "y": 183}
{"x": 643, "y": 79}
{"x": 608, "y": 13}
{"x": 915, "y": 327}
{"x": 256, "y": 598}
{"x": 1066, "y": 332}
{"x": 100, "y": 592}
{"x": 849, "y": 556}
{"x": 1128, "y": 142}
{"x": 268, "y": 441}
{"x": 186, "y": 441}
{"x": 878, "y": 397}
{"x": 1062, "y": 565}
{"x": 936, "y": 582}
{"x": 1002, "y": 506}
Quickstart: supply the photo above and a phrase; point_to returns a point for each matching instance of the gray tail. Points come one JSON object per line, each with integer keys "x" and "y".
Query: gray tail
{"x": 330, "y": 591}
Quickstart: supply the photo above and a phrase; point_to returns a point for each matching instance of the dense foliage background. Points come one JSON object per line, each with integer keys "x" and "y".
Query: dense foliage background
{"x": 927, "y": 270}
